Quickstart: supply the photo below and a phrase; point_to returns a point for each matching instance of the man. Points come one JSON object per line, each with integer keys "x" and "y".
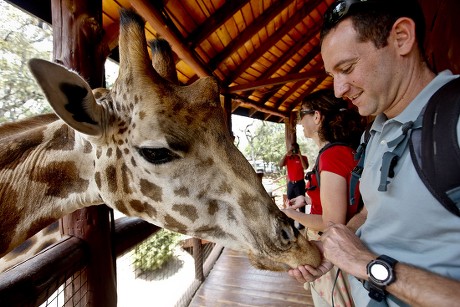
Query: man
{"x": 373, "y": 50}
{"x": 295, "y": 164}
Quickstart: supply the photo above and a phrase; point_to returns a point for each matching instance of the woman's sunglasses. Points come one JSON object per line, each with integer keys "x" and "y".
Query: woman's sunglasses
{"x": 302, "y": 113}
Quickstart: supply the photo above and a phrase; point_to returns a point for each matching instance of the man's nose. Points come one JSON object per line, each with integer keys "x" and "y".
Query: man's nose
{"x": 340, "y": 86}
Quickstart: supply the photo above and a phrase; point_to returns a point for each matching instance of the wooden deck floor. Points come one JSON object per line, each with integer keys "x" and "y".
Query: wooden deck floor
{"x": 234, "y": 282}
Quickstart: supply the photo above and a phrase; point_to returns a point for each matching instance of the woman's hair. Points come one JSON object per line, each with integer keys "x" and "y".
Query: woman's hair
{"x": 340, "y": 123}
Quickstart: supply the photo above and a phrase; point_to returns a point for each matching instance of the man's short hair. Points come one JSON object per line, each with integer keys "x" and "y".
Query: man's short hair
{"x": 373, "y": 19}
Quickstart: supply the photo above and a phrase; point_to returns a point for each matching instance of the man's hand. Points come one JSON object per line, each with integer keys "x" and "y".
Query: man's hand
{"x": 344, "y": 249}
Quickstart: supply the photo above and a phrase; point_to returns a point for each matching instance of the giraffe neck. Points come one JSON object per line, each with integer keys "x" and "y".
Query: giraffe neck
{"x": 46, "y": 172}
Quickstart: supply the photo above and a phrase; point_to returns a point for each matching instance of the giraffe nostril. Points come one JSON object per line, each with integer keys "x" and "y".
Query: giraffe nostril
{"x": 287, "y": 235}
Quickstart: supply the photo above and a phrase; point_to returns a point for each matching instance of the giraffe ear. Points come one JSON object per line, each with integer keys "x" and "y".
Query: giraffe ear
{"x": 69, "y": 95}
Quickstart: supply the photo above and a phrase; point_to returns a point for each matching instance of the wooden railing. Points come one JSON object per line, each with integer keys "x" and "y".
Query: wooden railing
{"x": 31, "y": 282}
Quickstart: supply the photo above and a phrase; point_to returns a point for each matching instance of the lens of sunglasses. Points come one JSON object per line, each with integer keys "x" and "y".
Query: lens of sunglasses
{"x": 339, "y": 10}
{"x": 302, "y": 113}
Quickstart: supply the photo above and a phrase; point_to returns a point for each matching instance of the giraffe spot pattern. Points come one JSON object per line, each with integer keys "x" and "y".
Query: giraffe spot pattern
{"x": 151, "y": 190}
{"x": 188, "y": 211}
{"x": 17, "y": 151}
{"x": 63, "y": 139}
{"x": 54, "y": 173}
{"x": 143, "y": 207}
{"x": 213, "y": 207}
{"x": 172, "y": 224}
{"x": 9, "y": 214}
{"x": 245, "y": 200}
{"x": 119, "y": 154}
{"x": 97, "y": 178}
{"x": 87, "y": 147}
{"x": 111, "y": 176}
{"x": 126, "y": 175}
{"x": 39, "y": 224}
{"x": 142, "y": 115}
{"x": 182, "y": 192}
{"x": 224, "y": 188}
{"x": 214, "y": 231}
{"x": 120, "y": 205}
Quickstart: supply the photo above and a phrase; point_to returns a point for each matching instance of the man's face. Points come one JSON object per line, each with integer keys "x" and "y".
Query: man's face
{"x": 362, "y": 73}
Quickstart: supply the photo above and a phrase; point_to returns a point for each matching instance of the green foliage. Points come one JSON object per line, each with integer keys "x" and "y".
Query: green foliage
{"x": 156, "y": 251}
{"x": 268, "y": 143}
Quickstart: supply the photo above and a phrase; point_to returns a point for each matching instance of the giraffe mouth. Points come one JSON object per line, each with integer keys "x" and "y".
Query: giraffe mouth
{"x": 264, "y": 263}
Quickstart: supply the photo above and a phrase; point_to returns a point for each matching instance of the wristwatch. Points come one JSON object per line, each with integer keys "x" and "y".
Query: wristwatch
{"x": 381, "y": 274}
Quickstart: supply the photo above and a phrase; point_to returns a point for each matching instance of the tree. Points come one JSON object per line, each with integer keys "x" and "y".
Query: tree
{"x": 22, "y": 37}
{"x": 267, "y": 143}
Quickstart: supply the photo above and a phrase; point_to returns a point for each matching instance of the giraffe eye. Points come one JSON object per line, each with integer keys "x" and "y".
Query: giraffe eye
{"x": 157, "y": 155}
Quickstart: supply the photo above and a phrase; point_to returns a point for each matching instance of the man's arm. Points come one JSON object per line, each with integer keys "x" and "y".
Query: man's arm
{"x": 304, "y": 161}
{"x": 413, "y": 285}
{"x": 283, "y": 161}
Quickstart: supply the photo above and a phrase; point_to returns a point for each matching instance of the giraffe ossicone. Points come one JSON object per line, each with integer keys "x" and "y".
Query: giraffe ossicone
{"x": 148, "y": 147}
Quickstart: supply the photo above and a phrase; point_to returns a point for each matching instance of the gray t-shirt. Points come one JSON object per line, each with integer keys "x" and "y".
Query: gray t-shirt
{"x": 406, "y": 222}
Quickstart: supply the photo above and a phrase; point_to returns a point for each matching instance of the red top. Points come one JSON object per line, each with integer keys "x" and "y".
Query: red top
{"x": 337, "y": 159}
{"x": 294, "y": 167}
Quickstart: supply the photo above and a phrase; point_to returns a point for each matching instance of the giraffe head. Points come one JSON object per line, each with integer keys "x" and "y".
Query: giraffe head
{"x": 161, "y": 151}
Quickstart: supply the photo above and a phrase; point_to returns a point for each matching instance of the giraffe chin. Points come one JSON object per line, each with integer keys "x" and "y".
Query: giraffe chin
{"x": 304, "y": 252}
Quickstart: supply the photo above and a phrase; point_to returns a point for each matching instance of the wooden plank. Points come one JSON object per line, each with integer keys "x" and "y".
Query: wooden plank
{"x": 234, "y": 282}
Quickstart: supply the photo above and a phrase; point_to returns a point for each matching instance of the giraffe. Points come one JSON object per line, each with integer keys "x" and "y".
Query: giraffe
{"x": 148, "y": 147}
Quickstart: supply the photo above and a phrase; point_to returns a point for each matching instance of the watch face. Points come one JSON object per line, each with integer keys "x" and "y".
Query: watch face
{"x": 379, "y": 271}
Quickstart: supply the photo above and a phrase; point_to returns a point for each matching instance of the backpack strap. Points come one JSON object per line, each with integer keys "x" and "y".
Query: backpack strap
{"x": 315, "y": 169}
{"x": 358, "y": 170}
{"x": 390, "y": 158}
{"x": 435, "y": 151}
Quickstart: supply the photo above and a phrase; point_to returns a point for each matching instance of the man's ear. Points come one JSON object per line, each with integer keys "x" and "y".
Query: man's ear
{"x": 403, "y": 34}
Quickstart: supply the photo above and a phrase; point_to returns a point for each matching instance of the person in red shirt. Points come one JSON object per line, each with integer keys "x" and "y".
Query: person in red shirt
{"x": 336, "y": 129}
{"x": 295, "y": 164}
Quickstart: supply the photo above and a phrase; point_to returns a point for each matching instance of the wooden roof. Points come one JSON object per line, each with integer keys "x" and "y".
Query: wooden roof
{"x": 265, "y": 53}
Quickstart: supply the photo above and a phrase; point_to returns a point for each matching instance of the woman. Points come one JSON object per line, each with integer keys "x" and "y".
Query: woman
{"x": 336, "y": 129}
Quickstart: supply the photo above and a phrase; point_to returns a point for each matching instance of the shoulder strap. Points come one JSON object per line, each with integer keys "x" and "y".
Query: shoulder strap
{"x": 358, "y": 170}
{"x": 316, "y": 167}
{"x": 436, "y": 153}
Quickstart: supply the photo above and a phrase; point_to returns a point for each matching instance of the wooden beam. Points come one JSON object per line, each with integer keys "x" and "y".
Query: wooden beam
{"x": 246, "y": 102}
{"x": 310, "y": 89}
{"x": 299, "y": 66}
{"x": 272, "y": 40}
{"x": 157, "y": 21}
{"x": 257, "y": 24}
{"x": 274, "y": 81}
{"x": 220, "y": 16}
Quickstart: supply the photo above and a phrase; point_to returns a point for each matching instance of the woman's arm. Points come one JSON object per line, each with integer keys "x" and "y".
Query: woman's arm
{"x": 334, "y": 202}
{"x": 334, "y": 199}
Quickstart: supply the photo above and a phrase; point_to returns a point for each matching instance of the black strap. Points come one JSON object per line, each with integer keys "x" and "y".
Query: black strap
{"x": 390, "y": 158}
{"x": 315, "y": 170}
{"x": 358, "y": 170}
{"x": 436, "y": 155}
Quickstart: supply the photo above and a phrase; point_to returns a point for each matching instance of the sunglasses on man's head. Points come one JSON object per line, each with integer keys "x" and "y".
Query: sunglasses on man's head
{"x": 339, "y": 9}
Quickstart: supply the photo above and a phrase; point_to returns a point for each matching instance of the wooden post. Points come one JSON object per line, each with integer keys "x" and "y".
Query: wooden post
{"x": 228, "y": 113}
{"x": 198, "y": 257}
{"x": 77, "y": 44}
{"x": 290, "y": 130}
